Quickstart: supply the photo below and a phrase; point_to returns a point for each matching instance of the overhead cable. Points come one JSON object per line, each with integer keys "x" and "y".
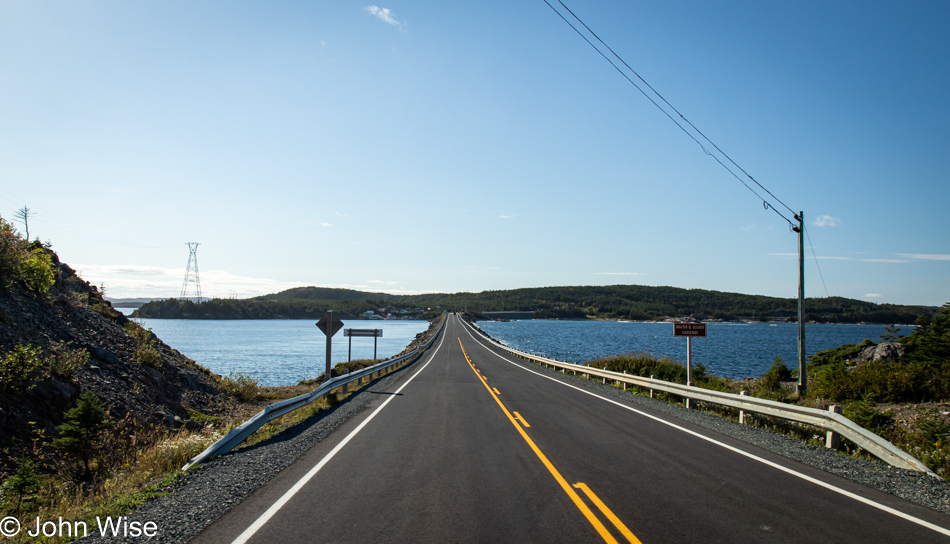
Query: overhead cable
{"x": 693, "y": 137}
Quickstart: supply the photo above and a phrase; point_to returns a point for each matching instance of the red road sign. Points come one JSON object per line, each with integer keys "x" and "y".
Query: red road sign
{"x": 329, "y": 324}
{"x": 689, "y": 329}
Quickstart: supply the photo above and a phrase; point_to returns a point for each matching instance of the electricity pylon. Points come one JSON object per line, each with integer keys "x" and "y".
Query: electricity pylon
{"x": 191, "y": 287}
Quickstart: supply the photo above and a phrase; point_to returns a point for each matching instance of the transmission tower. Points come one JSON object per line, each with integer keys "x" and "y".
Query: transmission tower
{"x": 191, "y": 287}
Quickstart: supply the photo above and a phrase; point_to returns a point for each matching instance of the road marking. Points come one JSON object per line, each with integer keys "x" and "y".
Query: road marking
{"x": 521, "y": 419}
{"x": 581, "y": 505}
{"x": 495, "y": 389}
{"x": 265, "y": 517}
{"x": 830, "y": 487}
{"x": 607, "y": 512}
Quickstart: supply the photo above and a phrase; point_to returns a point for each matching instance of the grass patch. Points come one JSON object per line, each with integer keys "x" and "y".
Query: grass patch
{"x": 146, "y": 472}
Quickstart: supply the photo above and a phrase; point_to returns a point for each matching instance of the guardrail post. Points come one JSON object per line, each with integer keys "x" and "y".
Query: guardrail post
{"x": 742, "y": 412}
{"x": 833, "y": 439}
{"x": 624, "y": 383}
{"x": 652, "y": 376}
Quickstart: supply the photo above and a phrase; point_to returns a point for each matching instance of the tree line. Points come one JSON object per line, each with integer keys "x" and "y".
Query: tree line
{"x": 633, "y": 302}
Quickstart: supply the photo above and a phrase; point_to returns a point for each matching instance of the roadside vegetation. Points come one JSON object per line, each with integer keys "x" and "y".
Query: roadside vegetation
{"x": 904, "y": 397}
{"x": 22, "y": 262}
{"x": 95, "y": 466}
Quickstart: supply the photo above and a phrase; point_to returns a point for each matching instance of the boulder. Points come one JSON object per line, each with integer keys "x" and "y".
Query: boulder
{"x": 884, "y": 352}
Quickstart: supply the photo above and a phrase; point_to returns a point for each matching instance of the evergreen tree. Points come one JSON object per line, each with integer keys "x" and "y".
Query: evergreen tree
{"x": 931, "y": 341}
{"x": 23, "y": 483}
{"x": 79, "y": 435}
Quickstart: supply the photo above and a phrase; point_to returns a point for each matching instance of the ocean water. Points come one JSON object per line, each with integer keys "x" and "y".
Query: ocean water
{"x": 732, "y": 350}
{"x": 276, "y": 351}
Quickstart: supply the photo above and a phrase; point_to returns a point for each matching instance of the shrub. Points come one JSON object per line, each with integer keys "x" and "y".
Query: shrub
{"x": 933, "y": 430}
{"x": 36, "y": 271}
{"x": 64, "y": 362}
{"x": 20, "y": 263}
{"x": 641, "y": 364}
{"x": 148, "y": 355}
{"x": 11, "y": 253}
{"x": 778, "y": 373}
{"x": 241, "y": 386}
{"x": 145, "y": 353}
{"x": 869, "y": 418}
{"x": 21, "y": 369}
{"x": 840, "y": 353}
{"x": 882, "y": 382}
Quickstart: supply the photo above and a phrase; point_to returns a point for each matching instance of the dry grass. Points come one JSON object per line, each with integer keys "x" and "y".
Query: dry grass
{"x": 148, "y": 472}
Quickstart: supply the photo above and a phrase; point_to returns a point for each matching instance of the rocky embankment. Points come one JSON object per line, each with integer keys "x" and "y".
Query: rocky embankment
{"x": 138, "y": 378}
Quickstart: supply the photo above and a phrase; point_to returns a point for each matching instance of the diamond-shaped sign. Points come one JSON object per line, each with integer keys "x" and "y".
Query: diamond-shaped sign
{"x": 329, "y": 324}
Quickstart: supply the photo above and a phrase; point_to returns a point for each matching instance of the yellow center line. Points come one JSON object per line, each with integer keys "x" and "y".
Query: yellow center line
{"x": 607, "y": 512}
{"x": 521, "y": 419}
{"x": 581, "y": 505}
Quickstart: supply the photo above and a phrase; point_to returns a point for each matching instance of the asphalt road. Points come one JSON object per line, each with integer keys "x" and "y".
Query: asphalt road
{"x": 472, "y": 447}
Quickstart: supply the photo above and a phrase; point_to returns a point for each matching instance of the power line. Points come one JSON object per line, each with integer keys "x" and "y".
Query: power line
{"x": 48, "y": 217}
{"x": 765, "y": 202}
{"x": 820, "y": 275}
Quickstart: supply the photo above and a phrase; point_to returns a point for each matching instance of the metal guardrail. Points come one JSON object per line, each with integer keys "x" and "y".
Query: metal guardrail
{"x": 242, "y": 432}
{"x": 829, "y": 421}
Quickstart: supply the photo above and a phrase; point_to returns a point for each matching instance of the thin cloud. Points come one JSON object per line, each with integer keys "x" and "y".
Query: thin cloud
{"x": 826, "y": 221}
{"x": 381, "y": 282}
{"x": 483, "y": 267}
{"x": 618, "y": 274}
{"x": 130, "y": 281}
{"x": 925, "y": 256}
{"x": 834, "y": 258}
{"x": 325, "y": 224}
{"x": 506, "y": 217}
{"x": 873, "y": 295}
{"x": 383, "y": 14}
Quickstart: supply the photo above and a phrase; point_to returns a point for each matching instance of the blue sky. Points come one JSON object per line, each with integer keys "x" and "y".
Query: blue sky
{"x": 432, "y": 146}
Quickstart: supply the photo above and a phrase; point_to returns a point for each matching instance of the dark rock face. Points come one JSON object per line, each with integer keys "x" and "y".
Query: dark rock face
{"x": 75, "y": 313}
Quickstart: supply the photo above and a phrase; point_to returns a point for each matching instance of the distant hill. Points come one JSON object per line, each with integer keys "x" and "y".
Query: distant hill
{"x": 129, "y": 302}
{"x": 635, "y": 302}
{"x": 320, "y": 293}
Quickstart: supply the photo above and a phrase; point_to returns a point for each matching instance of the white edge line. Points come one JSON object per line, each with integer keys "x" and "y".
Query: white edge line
{"x": 787, "y": 470}
{"x": 265, "y": 517}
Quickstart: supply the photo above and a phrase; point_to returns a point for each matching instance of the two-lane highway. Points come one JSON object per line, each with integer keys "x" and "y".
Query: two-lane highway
{"x": 471, "y": 446}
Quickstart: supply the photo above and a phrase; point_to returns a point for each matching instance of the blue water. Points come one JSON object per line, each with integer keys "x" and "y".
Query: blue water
{"x": 276, "y": 351}
{"x": 732, "y": 350}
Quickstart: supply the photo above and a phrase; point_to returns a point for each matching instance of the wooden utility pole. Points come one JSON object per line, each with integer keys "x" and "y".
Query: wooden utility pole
{"x": 802, "y": 376}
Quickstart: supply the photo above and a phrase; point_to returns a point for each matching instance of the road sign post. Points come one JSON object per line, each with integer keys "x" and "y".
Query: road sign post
{"x": 375, "y": 333}
{"x": 689, "y": 330}
{"x": 330, "y": 325}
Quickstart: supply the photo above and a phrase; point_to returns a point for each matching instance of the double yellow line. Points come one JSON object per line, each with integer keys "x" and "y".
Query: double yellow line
{"x": 520, "y": 424}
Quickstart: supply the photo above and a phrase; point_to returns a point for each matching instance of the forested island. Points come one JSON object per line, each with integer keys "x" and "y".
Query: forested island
{"x": 628, "y": 302}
